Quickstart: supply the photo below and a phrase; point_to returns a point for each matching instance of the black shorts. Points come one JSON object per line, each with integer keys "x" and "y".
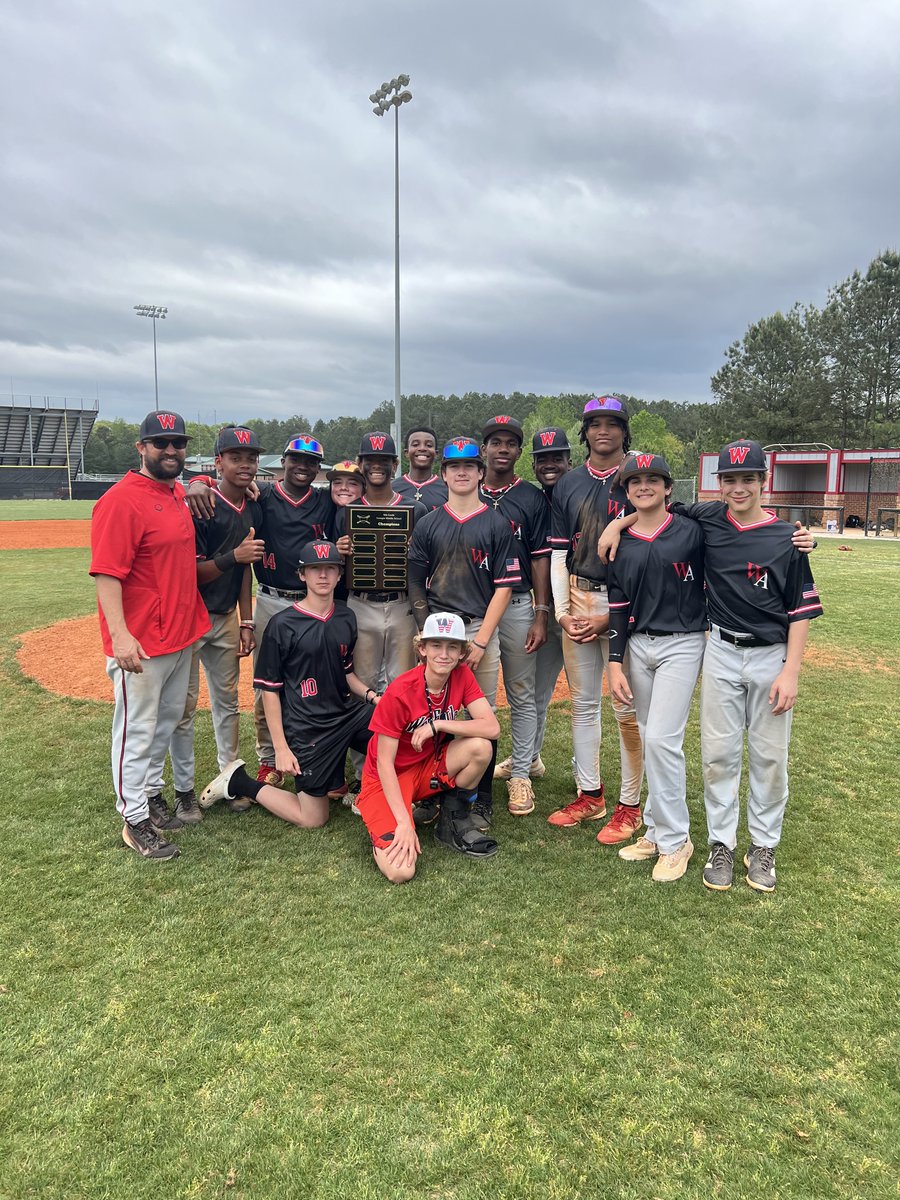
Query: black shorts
{"x": 322, "y": 761}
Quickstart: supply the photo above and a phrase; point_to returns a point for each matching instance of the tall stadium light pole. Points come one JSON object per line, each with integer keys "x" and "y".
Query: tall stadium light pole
{"x": 155, "y": 313}
{"x": 392, "y": 95}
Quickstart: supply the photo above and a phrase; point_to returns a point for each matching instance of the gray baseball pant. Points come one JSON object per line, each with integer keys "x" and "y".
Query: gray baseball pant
{"x": 218, "y": 652}
{"x": 148, "y": 706}
{"x": 487, "y": 672}
{"x": 548, "y": 664}
{"x": 384, "y": 646}
{"x": 663, "y": 673}
{"x": 264, "y": 610}
{"x": 519, "y": 680}
{"x": 585, "y": 664}
{"x": 734, "y": 696}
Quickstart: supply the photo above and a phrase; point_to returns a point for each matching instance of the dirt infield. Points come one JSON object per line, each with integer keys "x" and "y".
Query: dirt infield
{"x": 67, "y": 659}
{"x": 44, "y": 535}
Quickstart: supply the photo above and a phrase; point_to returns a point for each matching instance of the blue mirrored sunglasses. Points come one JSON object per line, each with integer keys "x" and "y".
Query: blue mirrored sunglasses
{"x": 304, "y": 446}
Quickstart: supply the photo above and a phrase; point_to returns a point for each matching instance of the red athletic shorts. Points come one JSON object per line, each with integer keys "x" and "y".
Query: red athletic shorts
{"x": 415, "y": 784}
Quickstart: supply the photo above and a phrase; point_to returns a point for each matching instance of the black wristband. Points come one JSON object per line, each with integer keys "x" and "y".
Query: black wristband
{"x": 225, "y": 562}
{"x": 479, "y": 645}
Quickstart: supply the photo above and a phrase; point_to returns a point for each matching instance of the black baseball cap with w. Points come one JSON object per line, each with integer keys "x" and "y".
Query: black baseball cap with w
{"x": 159, "y": 423}
{"x": 741, "y": 455}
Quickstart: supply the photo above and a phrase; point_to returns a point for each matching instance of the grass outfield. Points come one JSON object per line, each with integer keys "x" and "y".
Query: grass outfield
{"x": 266, "y": 1017}
{"x": 46, "y": 510}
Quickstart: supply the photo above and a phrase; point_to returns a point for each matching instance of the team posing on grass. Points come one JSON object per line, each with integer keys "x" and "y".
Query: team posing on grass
{"x": 595, "y": 571}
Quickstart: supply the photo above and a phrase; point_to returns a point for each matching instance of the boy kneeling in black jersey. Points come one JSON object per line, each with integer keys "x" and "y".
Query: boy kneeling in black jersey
{"x": 424, "y": 750}
{"x": 312, "y": 698}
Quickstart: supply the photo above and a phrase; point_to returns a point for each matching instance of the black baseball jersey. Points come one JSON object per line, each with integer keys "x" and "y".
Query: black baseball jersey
{"x": 430, "y": 492}
{"x": 757, "y": 583}
{"x": 305, "y": 659}
{"x": 525, "y": 508}
{"x": 226, "y": 529}
{"x": 656, "y": 583}
{"x": 464, "y": 559}
{"x": 583, "y": 502}
{"x": 287, "y": 526}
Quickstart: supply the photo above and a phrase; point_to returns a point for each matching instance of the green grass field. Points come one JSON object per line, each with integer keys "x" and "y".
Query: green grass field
{"x": 266, "y": 1017}
{"x": 46, "y": 510}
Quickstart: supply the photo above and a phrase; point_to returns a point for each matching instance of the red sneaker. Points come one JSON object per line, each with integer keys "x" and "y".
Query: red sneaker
{"x": 622, "y": 826}
{"x": 582, "y": 808}
{"x": 268, "y": 774}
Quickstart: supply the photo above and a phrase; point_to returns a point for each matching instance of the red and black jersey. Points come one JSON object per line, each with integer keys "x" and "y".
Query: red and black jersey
{"x": 583, "y": 502}
{"x": 430, "y": 492}
{"x": 464, "y": 559}
{"x": 757, "y": 583}
{"x": 305, "y": 659}
{"x": 404, "y": 708}
{"x": 287, "y": 526}
{"x": 224, "y": 531}
{"x": 525, "y": 508}
{"x": 656, "y": 583}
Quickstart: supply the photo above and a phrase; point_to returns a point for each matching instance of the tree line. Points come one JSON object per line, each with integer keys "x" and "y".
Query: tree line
{"x": 811, "y": 375}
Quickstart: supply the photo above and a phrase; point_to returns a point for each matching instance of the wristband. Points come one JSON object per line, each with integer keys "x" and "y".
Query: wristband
{"x": 433, "y": 730}
{"x": 248, "y": 624}
{"x": 226, "y": 561}
{"x": 542, "y": 608}
{"x": 479, "y": 645}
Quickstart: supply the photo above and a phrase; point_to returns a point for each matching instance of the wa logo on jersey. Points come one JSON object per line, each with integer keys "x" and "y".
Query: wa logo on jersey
{"x": 614, "y": 508}
{"x": 758, "y": 576}
{"x": 319, "y": 532}
{"x": 517, "y": 530}
{"x": 684, "y": 571}
{"x": 738, "y": 454}
{"x": 480, "y": 559}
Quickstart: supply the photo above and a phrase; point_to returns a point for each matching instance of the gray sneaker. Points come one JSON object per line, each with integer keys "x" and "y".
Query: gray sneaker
{"x": 760, "y": 864}
{"x": 719, "y": 870}
{"x": 144, "y": 839}
{"x": 187, "y": 810}
{"x": 160, "y": 813}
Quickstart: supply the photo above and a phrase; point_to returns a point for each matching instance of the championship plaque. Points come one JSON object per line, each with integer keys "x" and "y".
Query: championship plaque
{"x": 380, "y": 539}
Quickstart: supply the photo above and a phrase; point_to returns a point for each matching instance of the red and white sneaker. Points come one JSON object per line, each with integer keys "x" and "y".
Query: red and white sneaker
{"x": 582, "y": 808}
{"x": 268, "y": 774}
{"x": 622, "y": 825}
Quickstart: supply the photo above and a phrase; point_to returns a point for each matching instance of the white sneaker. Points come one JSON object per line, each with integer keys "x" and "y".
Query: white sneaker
{"x": 503, "y": 770}
{"x": 218, "y": 789}
{"x": 521, "y": 797}
{"x": 669, "y": 867}
{"x": 639, "y": 851}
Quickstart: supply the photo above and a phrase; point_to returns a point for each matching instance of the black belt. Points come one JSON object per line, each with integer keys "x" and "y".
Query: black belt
{"x": 588, "y": 585}
{"x": 745, "y": 642}
{"x": 660, "y": 632}
{"x": 270, "y": 591}
{"x": 379, "y": 597}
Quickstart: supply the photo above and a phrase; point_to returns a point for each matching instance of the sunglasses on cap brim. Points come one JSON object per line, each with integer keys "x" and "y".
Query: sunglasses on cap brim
{"x": 595, "y": 406}
{"x": 302, "y": 446}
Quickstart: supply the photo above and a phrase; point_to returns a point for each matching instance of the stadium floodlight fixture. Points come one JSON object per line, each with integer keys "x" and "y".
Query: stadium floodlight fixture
{"x": 156, "y": 312}
{"x": 383, "y": 102}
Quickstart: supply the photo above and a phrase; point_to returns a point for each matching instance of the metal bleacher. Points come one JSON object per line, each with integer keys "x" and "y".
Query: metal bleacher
{"x": 42, "y": 441}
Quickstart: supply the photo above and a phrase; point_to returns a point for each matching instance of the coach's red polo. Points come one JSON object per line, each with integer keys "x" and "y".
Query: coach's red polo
{"x": 142, "y": 534}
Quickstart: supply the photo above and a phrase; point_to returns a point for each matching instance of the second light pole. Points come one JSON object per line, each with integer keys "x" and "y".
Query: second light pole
{"x": 392, "y": 95}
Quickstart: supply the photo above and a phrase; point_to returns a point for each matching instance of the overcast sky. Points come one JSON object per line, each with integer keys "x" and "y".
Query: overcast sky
{"x": 595, "y": 195}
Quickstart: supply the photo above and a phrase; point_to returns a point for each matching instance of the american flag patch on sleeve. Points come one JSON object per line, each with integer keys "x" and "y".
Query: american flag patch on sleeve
{"x": 512, "y": 564}
{"x": 811, "y": 593}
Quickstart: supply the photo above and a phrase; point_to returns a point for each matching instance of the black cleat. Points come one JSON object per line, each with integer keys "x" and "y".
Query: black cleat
{"x": 187, "y": 810}
{"x": 482, "y": 814}
{"x": 144, "y": 839}
{"x": 760, "y": 864}
{"x": 719, "y": 870}
{"x": 160, "y": 813}
{"x": 426, "y": 811}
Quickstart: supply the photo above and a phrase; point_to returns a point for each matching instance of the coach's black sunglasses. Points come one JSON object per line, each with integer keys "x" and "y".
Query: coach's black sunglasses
{"x": 162, "y": 443}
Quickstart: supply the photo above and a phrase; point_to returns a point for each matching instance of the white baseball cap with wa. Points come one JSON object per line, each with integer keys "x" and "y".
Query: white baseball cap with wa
{"x": 445, "y": 626}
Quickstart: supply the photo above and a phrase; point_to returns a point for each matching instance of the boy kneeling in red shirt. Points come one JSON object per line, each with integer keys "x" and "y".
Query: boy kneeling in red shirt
{"x": 422, "y": 749}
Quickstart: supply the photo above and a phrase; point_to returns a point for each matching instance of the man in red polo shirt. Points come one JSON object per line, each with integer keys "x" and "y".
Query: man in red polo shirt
{"x": 143, "y": 558}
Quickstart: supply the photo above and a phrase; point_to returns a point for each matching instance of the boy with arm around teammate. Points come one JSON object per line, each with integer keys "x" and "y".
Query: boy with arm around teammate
{"x": 657, "y": 608}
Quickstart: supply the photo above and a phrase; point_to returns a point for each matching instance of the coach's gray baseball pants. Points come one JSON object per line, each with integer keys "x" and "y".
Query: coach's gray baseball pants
{"x": 148, "y": 706}
{"x": 663, "y": 673}
{"x": 519, "y": 680}
{"x": 264, "y": 610}
{"x": 548, "y": 664}
{"x": 734, "y": 696}
{"x": 585, "y": 664}
{"x": 218, "y": 652}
